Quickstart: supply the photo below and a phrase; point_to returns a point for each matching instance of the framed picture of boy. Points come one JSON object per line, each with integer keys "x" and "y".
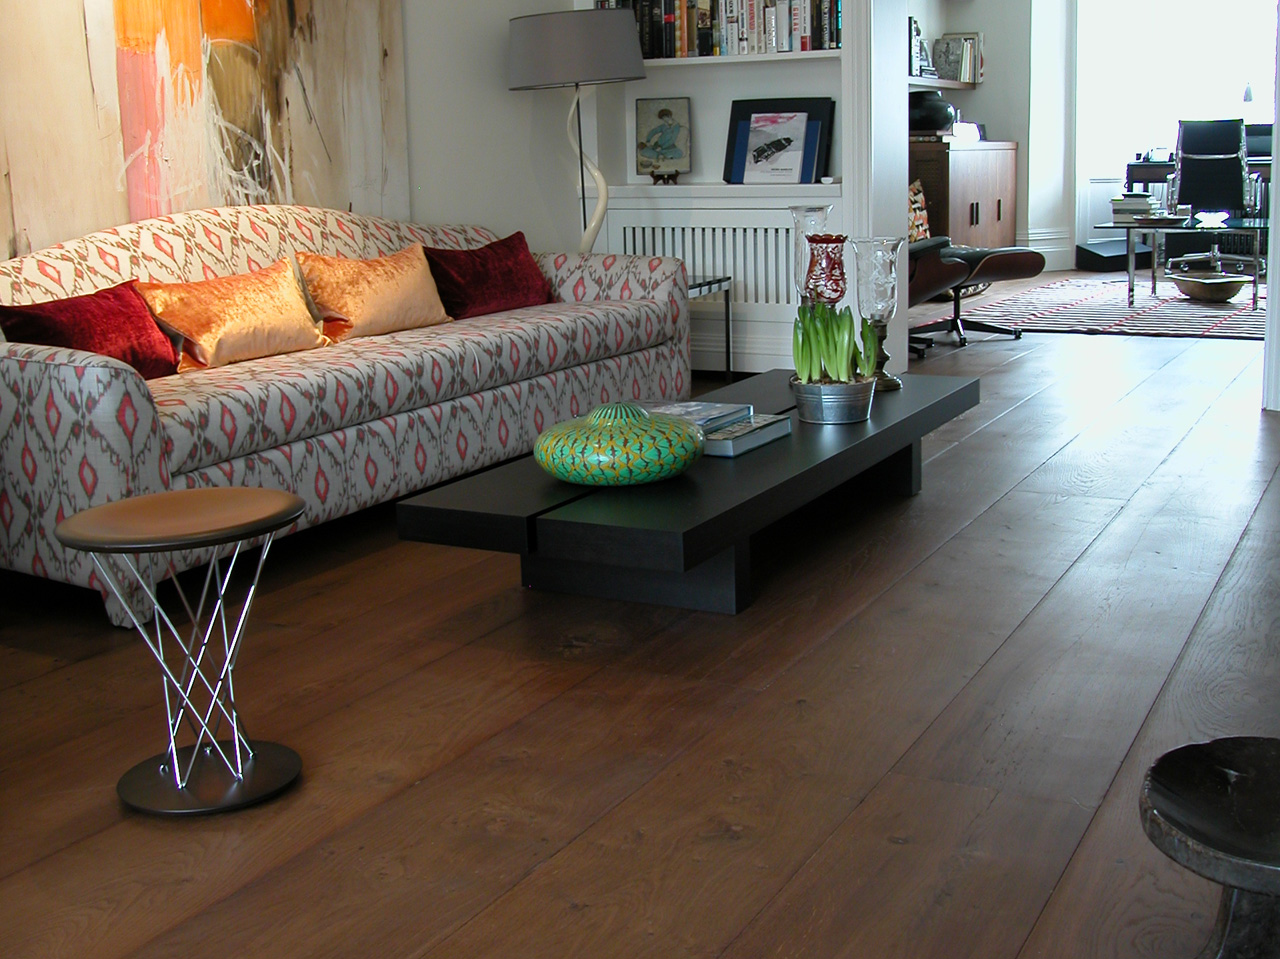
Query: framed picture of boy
{"x": 664, "y": 138}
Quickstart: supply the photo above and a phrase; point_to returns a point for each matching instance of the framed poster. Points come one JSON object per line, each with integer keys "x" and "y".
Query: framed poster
{"x": 664, "y": 136}
{"x": 814, "y": 154}
{"x": 775, "y": 147}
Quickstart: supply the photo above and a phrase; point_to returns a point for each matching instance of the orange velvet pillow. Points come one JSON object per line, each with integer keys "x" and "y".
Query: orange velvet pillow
{"x": 368, "y": 297}
{"x": 233, "y": 318}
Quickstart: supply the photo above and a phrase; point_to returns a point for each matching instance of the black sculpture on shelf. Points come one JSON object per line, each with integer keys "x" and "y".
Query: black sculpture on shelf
{"x": 927, "y": 112}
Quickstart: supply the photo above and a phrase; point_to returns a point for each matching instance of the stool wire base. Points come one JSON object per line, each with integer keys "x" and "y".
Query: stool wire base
{"x": 212, "y": 774}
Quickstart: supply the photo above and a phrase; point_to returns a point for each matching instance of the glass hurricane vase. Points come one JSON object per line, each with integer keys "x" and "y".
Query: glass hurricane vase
{"x": 876, "y": 265}
{"x": 809, "y": 219}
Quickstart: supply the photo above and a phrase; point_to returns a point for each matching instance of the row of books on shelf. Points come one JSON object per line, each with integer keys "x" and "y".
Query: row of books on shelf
{"x": 730, "y": 428}
{"x": 726, "y": 28}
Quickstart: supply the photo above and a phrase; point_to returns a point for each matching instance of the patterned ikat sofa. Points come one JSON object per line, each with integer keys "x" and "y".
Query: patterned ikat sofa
{"x": 345, "y": 426}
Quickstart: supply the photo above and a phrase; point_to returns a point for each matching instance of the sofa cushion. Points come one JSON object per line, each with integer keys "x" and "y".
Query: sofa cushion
{"x": 216, "y": 414}
{"x": 233, "y": 318}
{"x": 114, "y": 322}
{"x": 368, "y": 297}
{"x": 499, "y": 276}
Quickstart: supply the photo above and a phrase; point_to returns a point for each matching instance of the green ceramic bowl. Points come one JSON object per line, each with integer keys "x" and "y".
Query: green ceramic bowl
{"x": 619, "y": 444}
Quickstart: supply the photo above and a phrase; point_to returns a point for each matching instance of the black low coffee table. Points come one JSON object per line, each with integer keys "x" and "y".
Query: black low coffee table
{"x": 685, "y": 541}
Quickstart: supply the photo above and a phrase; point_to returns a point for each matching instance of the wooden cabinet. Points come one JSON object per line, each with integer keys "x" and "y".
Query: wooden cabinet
{"x": 970, "y": 189}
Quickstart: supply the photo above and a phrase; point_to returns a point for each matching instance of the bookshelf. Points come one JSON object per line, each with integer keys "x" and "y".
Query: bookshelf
{"x": 744, "y": 230}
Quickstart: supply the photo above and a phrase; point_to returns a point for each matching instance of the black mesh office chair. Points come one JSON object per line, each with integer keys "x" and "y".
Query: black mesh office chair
{"x": 1211, "y": 174}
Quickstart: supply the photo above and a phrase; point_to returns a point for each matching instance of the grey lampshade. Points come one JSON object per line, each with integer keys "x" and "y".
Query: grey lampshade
{"x": 574, "y": 46}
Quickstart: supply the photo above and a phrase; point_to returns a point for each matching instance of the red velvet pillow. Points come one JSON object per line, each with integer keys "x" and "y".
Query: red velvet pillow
{"x": 114, "y": 322}
{"x": 500, "y": 276}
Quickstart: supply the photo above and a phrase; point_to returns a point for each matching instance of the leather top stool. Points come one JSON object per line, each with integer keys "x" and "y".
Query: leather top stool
{"x": 1215, "y": 808}
{"x": 212, "y": 774}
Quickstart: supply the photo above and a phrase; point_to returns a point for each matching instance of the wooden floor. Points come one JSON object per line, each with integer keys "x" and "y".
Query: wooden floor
{"x": 924, "y": 739}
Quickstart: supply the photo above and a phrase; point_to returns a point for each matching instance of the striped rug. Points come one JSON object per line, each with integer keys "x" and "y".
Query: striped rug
{"x": 1098, "y": 304}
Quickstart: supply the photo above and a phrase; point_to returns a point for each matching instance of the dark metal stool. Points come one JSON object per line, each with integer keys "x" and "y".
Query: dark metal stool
{"x": 212, "y": 774}
{"x": 1215, "y": 808}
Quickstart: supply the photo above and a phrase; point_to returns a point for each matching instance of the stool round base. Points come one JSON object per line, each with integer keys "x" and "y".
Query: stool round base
{"x": 149, "y": 786}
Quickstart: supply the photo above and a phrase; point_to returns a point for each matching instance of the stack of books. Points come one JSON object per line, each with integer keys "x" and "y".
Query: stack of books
{"x": 1127, "y": 206}
{"x": 730, "y": 428}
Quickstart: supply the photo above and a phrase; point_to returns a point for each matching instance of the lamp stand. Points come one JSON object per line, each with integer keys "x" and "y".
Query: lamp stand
{"x": 590, "y": 228}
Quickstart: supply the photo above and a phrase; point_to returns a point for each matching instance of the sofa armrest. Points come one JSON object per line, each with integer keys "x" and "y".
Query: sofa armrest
{"x": 76, "y": 429}
{"x": 578, "y": 278}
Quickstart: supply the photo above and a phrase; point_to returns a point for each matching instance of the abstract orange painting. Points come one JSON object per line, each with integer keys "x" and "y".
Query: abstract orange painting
{"x": 205, "y": 88}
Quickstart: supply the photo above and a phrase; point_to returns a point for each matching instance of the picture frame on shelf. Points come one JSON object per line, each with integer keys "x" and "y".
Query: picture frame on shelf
{"x": 775, "y": 148}
{"x": 963, "y": 54}
{"x": 664, "y": 136}
{"x": 947, "y": 53}
{"x": 819, "y": 113}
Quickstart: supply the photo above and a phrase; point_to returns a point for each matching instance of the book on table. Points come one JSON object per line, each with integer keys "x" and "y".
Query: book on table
{"x": 709, "y": 416}
{"x": 747, "y": 434}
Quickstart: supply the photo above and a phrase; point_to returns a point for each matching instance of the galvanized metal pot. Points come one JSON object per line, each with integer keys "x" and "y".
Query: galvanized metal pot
{"x": 833, "y": 402}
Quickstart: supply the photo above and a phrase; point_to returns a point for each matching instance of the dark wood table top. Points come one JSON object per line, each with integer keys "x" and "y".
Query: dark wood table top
{"x": 179, "y": 519}
{"x": 678, "y": 523}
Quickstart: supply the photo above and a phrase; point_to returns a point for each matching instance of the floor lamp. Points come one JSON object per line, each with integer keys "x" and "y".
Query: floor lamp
{"x": 570, "y": 49}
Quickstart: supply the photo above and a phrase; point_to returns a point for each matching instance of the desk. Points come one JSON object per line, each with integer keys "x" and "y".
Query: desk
{"x": 705, "y": 286}
{"x": 1147, "y": 172}
{"x": 1254, "y": 225}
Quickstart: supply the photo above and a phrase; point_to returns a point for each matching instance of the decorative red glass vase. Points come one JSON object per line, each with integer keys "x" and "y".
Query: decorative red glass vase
{"x": 825, "y": 280}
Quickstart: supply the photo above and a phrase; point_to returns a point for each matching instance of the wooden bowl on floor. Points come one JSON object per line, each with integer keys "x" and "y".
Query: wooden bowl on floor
{"x": 1210, "y": 287}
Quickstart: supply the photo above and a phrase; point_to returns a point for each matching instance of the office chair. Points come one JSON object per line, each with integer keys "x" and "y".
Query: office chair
{"x": 1211, "y": 173}
{"x": 937, "y": 267}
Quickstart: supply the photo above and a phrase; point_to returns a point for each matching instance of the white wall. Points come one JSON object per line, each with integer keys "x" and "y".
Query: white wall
{"x": 1027, "y": 96}
{"x": 932, "y": 15}
{"x": 1002, "y": 102}
{"x": 478, "y": 152}
{"x": 1050, "y": 144}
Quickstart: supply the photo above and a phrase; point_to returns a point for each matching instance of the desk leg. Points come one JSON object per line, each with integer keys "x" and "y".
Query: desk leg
{"x": 728, "y": 334}
{"x": 1257, "y": 242}
{"x": 1155, "y": 259}
{"x": 1131, "y": 260}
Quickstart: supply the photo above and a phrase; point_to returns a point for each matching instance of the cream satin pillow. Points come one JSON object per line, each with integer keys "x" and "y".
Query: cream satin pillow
{"x": 368, "y": 297}
{"x": 233, "y": 318}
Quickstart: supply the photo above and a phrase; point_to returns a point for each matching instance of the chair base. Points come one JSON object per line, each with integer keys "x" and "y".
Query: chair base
{"x": 955, "y": 325}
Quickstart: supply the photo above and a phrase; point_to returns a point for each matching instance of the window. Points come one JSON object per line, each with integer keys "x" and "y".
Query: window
{"x": 1143, "y": 65}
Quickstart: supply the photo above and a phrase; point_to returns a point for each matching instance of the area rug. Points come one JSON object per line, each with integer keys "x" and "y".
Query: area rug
{"x": 1098, "y": 304}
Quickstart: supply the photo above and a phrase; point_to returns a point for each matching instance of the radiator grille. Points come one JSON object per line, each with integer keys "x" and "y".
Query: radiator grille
{"x": 759, "y": 258}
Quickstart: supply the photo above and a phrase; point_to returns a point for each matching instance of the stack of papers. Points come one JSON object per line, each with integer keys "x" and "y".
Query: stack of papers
{"x": 1127, "y": 206}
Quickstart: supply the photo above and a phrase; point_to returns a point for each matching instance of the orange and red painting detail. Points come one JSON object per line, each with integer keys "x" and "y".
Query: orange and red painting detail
{"x": 201, "y": 85}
